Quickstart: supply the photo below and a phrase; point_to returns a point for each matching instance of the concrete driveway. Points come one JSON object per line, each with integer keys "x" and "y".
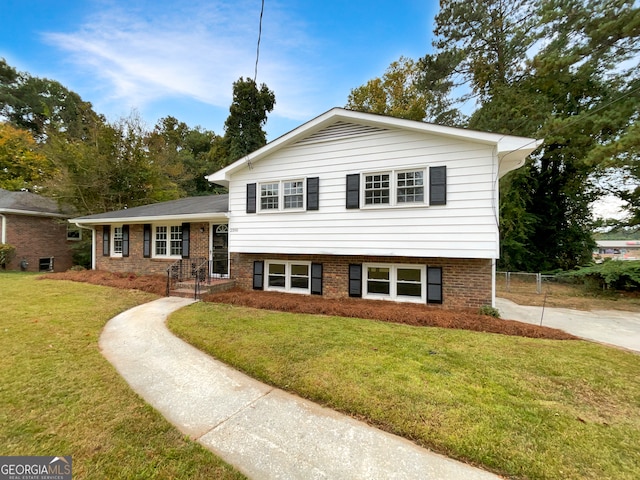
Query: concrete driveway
{"x": 611, "y": 327}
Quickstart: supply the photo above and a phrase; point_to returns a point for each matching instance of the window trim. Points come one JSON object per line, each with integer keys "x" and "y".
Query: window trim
{"x": 287, "y": 275}
{"x": 74, "y": 233}
{"x": 154, "y": 238}
{"x": 113, "y": 252}
{"x": 393, "y": 188}
{"x": 393, "y": 282}
{"x": 281, "y": 195}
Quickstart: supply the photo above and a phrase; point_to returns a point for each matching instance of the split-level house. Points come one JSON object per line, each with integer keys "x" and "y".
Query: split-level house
{"x": 348, "y": 204}
{"x": 37, "y": 227}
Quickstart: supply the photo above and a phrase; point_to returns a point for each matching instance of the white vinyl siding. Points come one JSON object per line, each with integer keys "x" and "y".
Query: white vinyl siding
{"x": 466, "y": 227}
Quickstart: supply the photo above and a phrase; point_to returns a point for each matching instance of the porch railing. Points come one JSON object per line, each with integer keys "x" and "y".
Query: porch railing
{"x": 194, "y": 270}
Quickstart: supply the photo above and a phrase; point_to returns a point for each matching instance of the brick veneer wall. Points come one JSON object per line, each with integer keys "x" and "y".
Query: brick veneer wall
{"x": 466, "y": 282}
{"x": 136, "y": 263}
{"x": 36, "y": 238}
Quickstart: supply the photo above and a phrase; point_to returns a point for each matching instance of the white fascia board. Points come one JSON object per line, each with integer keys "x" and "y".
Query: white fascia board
{"x": 513, "y": 153}
{"x": 10, "y": 211}
{"x": 194, "y": 217}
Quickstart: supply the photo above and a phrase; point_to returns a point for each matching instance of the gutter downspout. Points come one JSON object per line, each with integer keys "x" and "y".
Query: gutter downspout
{"x": 93, "y": 243}
{"x": 3, "y": 229}
{"x": 493, "y": 282}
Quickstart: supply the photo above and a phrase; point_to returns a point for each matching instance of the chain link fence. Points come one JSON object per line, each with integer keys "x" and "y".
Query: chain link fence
{"x": 523, "y": 282}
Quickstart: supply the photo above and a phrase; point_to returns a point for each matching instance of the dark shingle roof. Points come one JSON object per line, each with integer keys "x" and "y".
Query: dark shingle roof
{"x": 210, "y": 204}
{"x": 29, "y": 202}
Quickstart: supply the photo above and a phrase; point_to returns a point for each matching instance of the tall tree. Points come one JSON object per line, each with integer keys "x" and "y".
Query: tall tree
{"x": 110, "y": 170}
{"x": 398, "y": 94}
{"x": 186, "y": 154}
{"x": 550, "y": 69}
{"x": 22, "y": 165}
{"x": 43, "y": 106}
{"x": 247, "y": 116}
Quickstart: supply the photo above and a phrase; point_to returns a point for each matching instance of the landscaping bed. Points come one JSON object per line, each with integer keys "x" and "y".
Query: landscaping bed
{"x": 405, "y": 313}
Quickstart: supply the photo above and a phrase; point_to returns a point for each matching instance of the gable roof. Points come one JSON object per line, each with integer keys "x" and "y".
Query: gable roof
{"x": 184, "y": 209}
{"x": 511, "y": 150}
{"x": 27, "y": 203}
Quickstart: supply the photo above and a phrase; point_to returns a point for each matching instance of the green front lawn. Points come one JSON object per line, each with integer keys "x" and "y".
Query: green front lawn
{"x": 60, "y": 396}
{"x": 525, "y": 408}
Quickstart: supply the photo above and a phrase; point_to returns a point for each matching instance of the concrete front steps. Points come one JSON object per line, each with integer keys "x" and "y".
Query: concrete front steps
{"x": 186, "y": 289}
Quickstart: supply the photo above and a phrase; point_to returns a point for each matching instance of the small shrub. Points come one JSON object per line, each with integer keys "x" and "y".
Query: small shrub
{"x": 611, "y": 275}
{"x": 7, "y": 252}
{"x": 489, "y": 311}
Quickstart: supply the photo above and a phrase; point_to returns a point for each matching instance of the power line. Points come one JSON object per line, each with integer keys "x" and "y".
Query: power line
{"x": 255, "y": 74}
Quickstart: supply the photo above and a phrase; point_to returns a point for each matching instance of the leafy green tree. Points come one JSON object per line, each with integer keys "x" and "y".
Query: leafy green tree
{"x": 22, "y": 165}
{"x": 43, "y": 106}
{"x": 247, "y": 116}
{"x": 549, "y": 69}
{"x": 398, "y": 94}
{"x": 111, "y": 170}
{"x": 186, "y": 154}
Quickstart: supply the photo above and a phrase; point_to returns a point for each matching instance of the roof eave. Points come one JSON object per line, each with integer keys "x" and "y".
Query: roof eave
{"x": 32, "y": 213}
{"x": 191, "y": 217}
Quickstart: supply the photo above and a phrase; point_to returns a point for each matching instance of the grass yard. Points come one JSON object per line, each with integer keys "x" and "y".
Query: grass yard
{"x": 60, "y": 396}
{"x": 522, "y": 407}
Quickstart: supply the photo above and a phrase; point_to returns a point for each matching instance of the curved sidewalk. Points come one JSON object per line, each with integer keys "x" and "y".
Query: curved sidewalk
{"x": 264, "y": 432}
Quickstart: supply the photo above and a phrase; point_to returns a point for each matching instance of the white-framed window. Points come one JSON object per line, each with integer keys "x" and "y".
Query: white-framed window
{"x": 410, "y": 186}
{"x": 288, "y": 276}
{"x": 167, "y": 241}
{"x": 377, "y": 189}
{"x": 394, "y": 188}
{"x": 394, "y": 282}
{"x": 282, "y": 195}
{"x": 74, "y": 233}
{"x": 116, "y": 241}
{"x": 269, "y": 196}
{"x": 293, "y": 194}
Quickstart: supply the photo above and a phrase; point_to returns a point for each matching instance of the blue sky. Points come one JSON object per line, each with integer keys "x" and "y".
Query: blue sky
{"x": 181, "y": 58}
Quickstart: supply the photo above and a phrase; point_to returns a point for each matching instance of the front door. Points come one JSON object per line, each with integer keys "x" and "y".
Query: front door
{"x": 220, "y": 251}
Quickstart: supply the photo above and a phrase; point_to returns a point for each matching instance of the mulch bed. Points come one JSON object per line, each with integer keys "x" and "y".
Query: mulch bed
{"x": 405, "y": 313}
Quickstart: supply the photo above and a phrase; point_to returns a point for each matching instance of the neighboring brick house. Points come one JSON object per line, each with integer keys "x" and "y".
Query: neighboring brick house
{"x": 348, "y": 204}
{"x": 39, "y": 231}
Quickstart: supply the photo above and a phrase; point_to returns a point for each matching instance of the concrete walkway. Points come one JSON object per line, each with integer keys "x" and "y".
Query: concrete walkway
{"x": 612, "y": 327}
{"x": 264, "y": 432}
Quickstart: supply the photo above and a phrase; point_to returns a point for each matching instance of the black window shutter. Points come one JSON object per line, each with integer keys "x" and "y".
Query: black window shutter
{"x": 355, "y": 280}
{"x": 313, "y": 193}
{"x": 106, "y": 239}
{"x": 438, "y": 185}
{"x": 434, "y": 284}
{"x": 251, "y": 198}
{"x": 258, "y": 275}
{"x": 146, "y": 240}
{"x": 316, "y": 279}
{"x": 186, "y": 239}
{"x": 353, "y": 190}
{"x": 125, "y": 240}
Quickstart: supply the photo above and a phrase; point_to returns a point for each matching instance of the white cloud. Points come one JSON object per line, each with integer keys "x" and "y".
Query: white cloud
{"x": 151, "y": 51}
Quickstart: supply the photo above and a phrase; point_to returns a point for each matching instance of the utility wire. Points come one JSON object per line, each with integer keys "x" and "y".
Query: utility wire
{"x": 255, "y": 74}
